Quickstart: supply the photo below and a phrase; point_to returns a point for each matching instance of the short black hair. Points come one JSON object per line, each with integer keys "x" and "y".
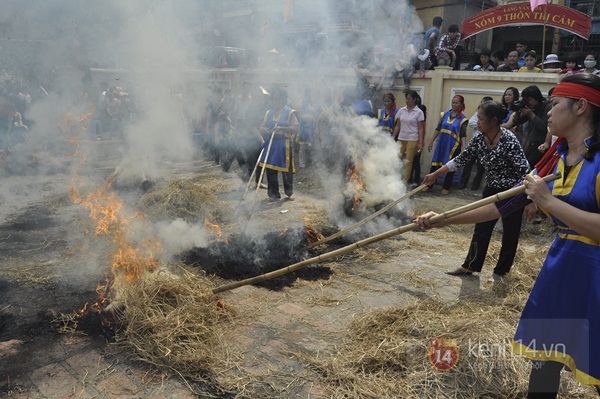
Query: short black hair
{"x": 523, "y": 42}
{"x": 437, "y": 21}
{"x": 453, "y": 28}
{"x": 531, "y": 54}
{"x": 499, "y": 54}
{"x": 532, "y": 92}
{"x": 486, "y": 51}
{"x": 571, "y": 58}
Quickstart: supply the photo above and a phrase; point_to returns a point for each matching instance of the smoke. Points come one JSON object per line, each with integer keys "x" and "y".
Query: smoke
{"x": 179, "y": 235}
{"x": 157, "y": 53}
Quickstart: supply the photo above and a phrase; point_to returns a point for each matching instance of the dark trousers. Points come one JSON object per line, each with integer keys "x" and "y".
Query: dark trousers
{"x": 466, "y": 174}
{"x": 544, "y": 380}
{"x": 450, "y": 175}
{"x": 483, "y": 233}
{"x": 273, "y": 183}
{"x": 415, "y": 173}
{"x": 447, "y": 180}
{"x": 252, "y": 154}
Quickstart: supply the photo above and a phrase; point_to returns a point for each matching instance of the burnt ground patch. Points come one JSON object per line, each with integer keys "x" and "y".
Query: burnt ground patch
{"x": 244, "y": 256}
{"x": 32, "y": 296}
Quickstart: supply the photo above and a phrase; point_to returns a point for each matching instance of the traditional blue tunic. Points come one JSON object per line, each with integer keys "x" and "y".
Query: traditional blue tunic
{"x": 363, "y": 107}
{"x": 386, "y": 122}
{"x": 308, "y": 123}
{"x": 561, "y": 320}
{"x": 280, "y": 154}
{"x": 448, "y": 140}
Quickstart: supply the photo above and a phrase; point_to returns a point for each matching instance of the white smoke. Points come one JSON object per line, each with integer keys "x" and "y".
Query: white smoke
{"x": 179, "y": 235}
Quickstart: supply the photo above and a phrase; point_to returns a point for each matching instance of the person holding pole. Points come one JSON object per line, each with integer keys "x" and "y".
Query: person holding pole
{"x": 279, "y": 129}
{"x": 560, "y": 324}
{"x": 500, "y": 154}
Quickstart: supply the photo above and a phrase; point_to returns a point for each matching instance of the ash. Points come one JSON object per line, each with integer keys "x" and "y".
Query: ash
{"x": 243, "y": 256}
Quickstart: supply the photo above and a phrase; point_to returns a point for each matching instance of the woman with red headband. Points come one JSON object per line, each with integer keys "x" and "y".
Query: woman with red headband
{"x": 387, "y": 115}
{"x": 560, "y": 324}
{"x": 452, "y": 132}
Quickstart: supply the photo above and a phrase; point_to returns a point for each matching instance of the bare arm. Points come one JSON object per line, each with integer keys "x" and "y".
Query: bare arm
{"x": 421, "y": 135}
{"x": 435, "y": 134}
{"x": 396, "y": 129}
{"x": 483, "y": 214}
{"x": 583, "y": 222}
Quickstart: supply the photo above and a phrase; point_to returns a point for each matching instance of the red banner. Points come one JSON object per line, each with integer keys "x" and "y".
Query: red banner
{"x": 556, "y": 16}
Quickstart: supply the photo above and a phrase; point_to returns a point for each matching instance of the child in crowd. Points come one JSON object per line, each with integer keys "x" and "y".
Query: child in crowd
{"x": 530, "y": 60}
{"x": 484, "y": 59}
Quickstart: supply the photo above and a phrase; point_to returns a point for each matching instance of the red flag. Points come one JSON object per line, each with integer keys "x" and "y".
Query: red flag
{"x": 535, "y": 3}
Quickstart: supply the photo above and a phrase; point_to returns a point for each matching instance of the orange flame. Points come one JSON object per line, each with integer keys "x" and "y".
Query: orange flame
{"x": 355, "y": 178}
{"x": 311, "y": 234}
{"x": 214, "y": 227}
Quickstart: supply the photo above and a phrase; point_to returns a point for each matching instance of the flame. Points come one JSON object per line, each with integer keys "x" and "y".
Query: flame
{"x": 130, "y": 260}
{"x": 214, "y": 227}
{"x": 105, "y": 209}
{"x": 357, "y": 183}
{"x": 311, "y": 234}
{"x": 355, "y": 178}
{"x": 356, "y": 201}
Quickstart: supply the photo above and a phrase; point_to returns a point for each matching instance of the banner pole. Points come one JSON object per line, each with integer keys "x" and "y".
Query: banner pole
{"x": 544, "y": 36}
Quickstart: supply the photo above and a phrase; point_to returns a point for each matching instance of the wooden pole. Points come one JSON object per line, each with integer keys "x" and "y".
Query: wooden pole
{"x": 252, "y": 175}
{"x": 390, "y": 233}
{"x": 368, "y": 218}
{"x": 544, "y": 37}
{"x": 262, "y": 172}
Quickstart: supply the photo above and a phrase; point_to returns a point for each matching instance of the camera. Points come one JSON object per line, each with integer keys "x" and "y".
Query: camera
{"x": 520, "y": 104}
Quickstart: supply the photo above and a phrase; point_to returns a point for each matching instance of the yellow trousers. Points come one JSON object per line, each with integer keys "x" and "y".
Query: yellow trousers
{"x": 408, "y": 149}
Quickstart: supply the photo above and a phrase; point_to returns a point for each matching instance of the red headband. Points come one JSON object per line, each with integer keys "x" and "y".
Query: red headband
{"x": 577, "y": 91}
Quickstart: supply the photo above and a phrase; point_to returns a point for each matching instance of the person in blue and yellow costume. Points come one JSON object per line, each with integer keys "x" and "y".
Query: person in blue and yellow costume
{"x": 452, "y": 133}
{"x": 388, "y": 115}
{"x": 560, "y": 324}
{"x": 308, "y": 124}
{"x": 280, "y": 123}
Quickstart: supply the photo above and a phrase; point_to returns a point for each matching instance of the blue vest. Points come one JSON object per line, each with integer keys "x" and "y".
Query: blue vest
{"x": 448, "y": 140}
{"x": 363, "y": 107}
{"x": 280, "y": 153}
{"x": 386, "y": 122}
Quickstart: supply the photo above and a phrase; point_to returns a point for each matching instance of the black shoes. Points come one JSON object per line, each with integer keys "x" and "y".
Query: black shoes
{"x": 459, "y": 272}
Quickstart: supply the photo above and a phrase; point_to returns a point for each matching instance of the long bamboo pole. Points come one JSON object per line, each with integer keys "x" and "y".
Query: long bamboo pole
{"x": 367, "y": 219}
{"x": 262, "y": 172}
{"x": 252, "y": 175}
{"x": 390, "y": 233}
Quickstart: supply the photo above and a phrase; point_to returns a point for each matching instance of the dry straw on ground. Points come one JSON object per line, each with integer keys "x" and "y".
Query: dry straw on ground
{"x": 384, "y": 354}
{"x": 176, "y": 324}
{"x": 182, "y": 198}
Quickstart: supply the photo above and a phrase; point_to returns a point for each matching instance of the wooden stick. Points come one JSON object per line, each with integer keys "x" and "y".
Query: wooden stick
{"x": 368, "y": 218}
{"x": 252, "y": 175}
{"x": 390, "y": 233}
{"x": 262, "y": 172}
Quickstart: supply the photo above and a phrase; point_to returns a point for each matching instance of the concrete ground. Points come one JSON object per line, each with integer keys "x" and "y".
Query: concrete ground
{"x": 309, "y": 317}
